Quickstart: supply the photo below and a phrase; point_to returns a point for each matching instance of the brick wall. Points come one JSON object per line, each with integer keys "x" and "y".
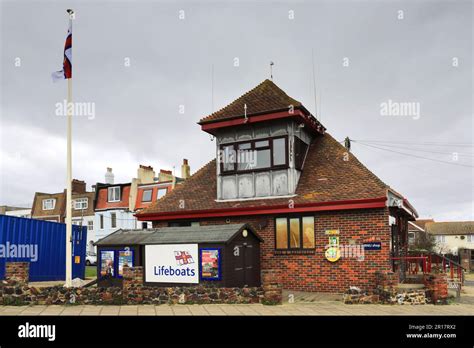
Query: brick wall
{"x": 312, "y": 272}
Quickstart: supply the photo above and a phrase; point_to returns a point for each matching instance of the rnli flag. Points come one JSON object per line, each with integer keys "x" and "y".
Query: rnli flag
{"x": 66, "y": 73}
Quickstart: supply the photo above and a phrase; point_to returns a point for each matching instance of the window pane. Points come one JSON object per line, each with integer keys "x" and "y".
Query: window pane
{"x": 295, "y": 233}
{"x": 300, "y": 152}
{"x": 281, "y": 233}
{"x": 262, "y": 143}
{"x": 279, "y": 151}
{"x": 114, "y": 219}
{"x": 263, "y": 159}
{"x": 308, "y": 232}
{"x": 245, "y": 157}
{"x": 228, "y": 157}
{"x": 147, "y": 195}
{"x": 161, "y": 192}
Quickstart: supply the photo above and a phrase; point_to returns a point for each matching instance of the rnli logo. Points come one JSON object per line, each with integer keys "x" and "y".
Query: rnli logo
{"x": 183, "y": 258}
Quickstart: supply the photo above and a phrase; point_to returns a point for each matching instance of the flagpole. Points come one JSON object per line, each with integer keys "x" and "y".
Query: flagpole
{"x": 69, "y": 179}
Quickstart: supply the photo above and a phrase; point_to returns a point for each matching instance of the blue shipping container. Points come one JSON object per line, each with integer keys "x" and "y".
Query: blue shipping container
{"x": 43, "y": 244}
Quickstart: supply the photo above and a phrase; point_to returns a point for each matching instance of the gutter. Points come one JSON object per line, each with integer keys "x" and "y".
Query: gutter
{"x": 369, "y": 203}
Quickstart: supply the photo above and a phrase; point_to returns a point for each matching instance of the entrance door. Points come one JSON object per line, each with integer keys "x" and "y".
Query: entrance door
{"x": 245, "y": 265}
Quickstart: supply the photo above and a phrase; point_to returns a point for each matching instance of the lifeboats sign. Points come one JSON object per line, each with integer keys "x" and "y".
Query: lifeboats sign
{"x": 172, "y": 263}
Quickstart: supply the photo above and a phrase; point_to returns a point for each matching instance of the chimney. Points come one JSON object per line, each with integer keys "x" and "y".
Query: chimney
{"x": 165, "y": 175}
{"x": 145, "y": 174}
{"x": 78, "y": 186}
{"x": 185, "y": 169}
{"x": 109, "y": 176}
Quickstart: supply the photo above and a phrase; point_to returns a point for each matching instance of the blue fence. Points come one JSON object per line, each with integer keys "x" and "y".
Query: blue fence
{"x": 43, "y": 244}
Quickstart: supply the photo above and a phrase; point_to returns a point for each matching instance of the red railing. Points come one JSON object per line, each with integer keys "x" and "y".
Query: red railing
{"x": 424, "y": 263}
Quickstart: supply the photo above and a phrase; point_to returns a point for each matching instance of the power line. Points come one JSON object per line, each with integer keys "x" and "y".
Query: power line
{"x": 418, "y": 143}
{"x": 422, "y": 150}
{"x": 416, "y": 156}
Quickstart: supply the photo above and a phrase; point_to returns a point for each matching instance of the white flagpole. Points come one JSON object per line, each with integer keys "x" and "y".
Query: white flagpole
{"x": 69, "y": 179}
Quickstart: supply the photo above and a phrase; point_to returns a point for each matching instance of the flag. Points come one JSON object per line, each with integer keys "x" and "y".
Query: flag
{"x": 66, "y": 73}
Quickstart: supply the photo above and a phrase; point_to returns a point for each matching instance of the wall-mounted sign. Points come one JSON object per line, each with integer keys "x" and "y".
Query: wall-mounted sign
{"x": 372, "y": 246}
{"x": 333, "y": 254}
{"x": 210, "y": 264}
{"x": 331, "y": 232}
{"x": 107, "y": 263}
{"x": 172, "y": 263}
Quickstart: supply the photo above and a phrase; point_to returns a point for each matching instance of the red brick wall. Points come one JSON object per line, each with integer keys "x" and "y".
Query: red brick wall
{"x": 312, "y": 272}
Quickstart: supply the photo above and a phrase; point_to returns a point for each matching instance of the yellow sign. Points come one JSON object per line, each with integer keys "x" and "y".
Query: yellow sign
{"x": 77, "y": 259}
{"x": 333, "y": 254}
{"x": 331, "y": 232}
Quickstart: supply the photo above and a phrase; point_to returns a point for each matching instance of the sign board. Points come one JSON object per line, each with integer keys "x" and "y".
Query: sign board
{"x": 172, "y": 263}
{"x": 372, "y": 246}
{"x": 331, "y": 232}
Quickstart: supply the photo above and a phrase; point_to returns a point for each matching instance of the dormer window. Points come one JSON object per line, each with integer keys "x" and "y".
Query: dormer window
{"x": 113, "y": 194}
{"x": 80, "y": 203}
{"x": 254, "y": 155}
{"x": 48, "y": 204}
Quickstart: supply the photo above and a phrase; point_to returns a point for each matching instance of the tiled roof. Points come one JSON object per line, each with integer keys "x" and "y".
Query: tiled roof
{"x": 450, "y": 228}
{"x": 422, "y": 222}
{"x": 59, "y": 207}
{"x": 266, "y": 97}
{"x": 326, "y": 177}
{"x": 170, "y": 235}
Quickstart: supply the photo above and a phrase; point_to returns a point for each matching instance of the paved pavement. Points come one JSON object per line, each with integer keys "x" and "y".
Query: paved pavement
{"x": 320, "y": 308}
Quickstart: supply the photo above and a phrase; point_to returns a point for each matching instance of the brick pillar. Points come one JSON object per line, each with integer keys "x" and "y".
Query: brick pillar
{"x": 436, "y": 285}
{"x": 272, "y": 289}
{"x": 18, "y": 272}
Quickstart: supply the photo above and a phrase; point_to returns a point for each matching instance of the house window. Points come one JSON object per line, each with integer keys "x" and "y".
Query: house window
{"x": 441, "y": 239}
{"x": 144, "y": 225}
{"x": 248, "y": 156}
{"x": 294, "y": 233}
{"x": 411, "y": 237}
{"x": 80, "y": 203}
{"x": 113, "y": 218}
{"x": 162, "y": 192}
{"x": 114, "y": 194}
{"x": 300, "y": 153}
{"x": 146, "y": 197}
{"x": 183, "y": 223}
{"x": 48, "y": 204}
{"x": 470, "y": 238}
{"x": 90, "y": 225}
{"x": 101, "y": 218}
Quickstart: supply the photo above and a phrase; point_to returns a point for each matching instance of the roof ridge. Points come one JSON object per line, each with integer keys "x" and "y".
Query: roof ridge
{"x": 264, "y": 84}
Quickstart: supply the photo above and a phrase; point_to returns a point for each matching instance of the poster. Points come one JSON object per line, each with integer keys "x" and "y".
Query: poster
{"x": 125, "y": 258}
{"x": 107, "y": 263}
{"x": 210, "y": 264}
{"x": 172, "y": 263}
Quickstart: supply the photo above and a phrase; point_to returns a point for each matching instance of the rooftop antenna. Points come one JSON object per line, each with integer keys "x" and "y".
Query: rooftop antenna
{"x": 314, "y": 85}
{"x": 271, "y": 70}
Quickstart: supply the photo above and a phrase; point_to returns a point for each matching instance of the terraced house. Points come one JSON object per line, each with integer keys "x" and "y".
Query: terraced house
{"x": 326, "y": 221}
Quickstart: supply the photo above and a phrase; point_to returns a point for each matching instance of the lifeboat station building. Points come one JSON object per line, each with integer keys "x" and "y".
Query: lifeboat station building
{"x": 322, "y": 220}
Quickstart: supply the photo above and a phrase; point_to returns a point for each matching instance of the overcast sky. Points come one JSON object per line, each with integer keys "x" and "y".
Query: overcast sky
{"x": 413, "y": 51}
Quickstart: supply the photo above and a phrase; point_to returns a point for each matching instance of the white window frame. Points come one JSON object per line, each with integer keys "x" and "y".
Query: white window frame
{"x": 441, "y": 239}
{"x": 470, "y": 238}
{"x": 112, "y": 193}
{"x": 49, "y": 200}
{"x": 79, "y": 203}
{"x": 158, "y": 192}
{"x": 90, "y": 225}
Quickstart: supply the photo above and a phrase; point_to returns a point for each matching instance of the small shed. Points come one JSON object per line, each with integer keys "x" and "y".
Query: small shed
{"x": 222, "y": 255}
